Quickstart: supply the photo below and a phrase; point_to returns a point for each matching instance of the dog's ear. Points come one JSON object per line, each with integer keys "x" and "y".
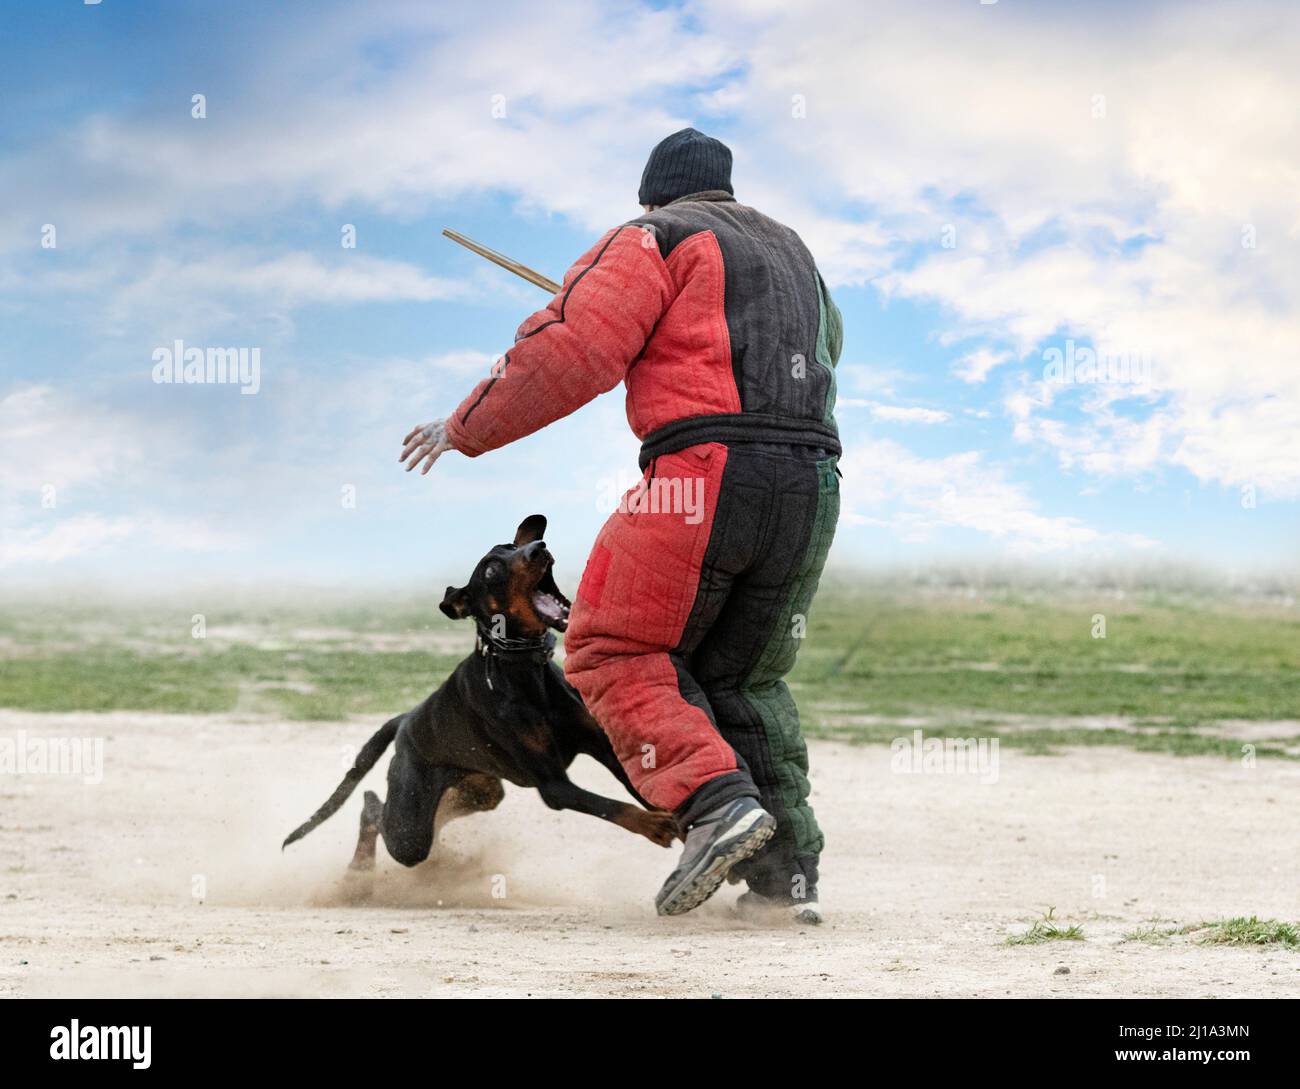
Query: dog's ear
{"x": 455, "y": 603}
{"x": 532, "y": 528}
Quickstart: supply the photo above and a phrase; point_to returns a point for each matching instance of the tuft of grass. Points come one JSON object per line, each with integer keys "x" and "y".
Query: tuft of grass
{"x": 1252, "y": 931}
{"x": 1046, "y": 930}
{"x": 1151, "y": 934}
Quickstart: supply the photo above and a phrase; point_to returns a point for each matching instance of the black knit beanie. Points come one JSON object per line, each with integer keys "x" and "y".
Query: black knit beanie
{"x": 685, "y": 162}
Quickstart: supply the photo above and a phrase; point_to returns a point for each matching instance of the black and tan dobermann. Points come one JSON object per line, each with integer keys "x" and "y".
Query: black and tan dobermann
{"x": 506, "y": 712}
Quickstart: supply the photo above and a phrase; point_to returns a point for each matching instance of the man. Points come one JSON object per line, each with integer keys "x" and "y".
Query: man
{"x": 686, "y": 620}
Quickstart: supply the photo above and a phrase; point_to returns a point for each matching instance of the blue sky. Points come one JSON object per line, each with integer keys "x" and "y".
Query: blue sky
{"x": 980, "y": 184}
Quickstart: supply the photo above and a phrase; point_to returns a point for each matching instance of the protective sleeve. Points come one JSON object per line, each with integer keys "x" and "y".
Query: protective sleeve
{"x": 578, "y": 346}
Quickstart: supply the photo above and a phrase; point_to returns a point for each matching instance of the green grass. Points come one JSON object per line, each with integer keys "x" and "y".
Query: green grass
{"x": 1019, "y": 665}
{"x": 1045, "y": 930}
{"x": 1034, "y": 655}
{"x": 1252, "y": 931}
{"x": 1166, "y": 666}
{"x": 145, "y": 658}
{"x": 328, "y": 683}
{"x": 1151, "y": 934}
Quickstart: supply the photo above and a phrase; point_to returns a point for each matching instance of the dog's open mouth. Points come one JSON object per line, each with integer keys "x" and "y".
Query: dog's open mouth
{"x": 551, "y": 605}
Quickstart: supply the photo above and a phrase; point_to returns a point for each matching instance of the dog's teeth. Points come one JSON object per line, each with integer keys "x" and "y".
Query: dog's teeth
{"x": 548, "y": 606}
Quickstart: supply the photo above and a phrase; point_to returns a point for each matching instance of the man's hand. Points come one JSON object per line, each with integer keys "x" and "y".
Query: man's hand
{"x": 426, "y": 442}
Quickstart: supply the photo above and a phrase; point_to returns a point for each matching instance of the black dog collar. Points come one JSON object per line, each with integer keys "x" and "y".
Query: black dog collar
{"x": 541, "y": 648}
{"x": 544, "y": 642}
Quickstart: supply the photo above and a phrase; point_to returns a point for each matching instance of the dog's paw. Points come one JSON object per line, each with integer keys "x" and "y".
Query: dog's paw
{"x": 659, "y": 826}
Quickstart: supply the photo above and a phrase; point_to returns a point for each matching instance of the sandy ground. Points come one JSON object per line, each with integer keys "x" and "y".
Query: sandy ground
{"x": 166, "y": 878}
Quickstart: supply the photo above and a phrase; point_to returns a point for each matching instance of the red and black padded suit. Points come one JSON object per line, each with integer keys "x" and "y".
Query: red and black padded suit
{"x": 689, "y": 615}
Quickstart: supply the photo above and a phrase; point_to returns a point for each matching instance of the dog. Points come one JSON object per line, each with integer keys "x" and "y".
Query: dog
{"x": 506, "y": 712}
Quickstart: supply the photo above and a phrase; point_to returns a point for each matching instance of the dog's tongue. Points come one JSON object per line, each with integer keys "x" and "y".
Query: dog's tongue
{"x": 549, "y": 608}
{"x": 551, "y": 605}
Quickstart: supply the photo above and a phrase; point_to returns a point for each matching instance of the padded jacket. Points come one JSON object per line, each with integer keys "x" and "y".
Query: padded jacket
{"x": 714, "y": 316}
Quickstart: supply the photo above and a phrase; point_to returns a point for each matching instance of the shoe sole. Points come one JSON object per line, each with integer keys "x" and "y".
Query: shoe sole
{"x": 706, "y": 880}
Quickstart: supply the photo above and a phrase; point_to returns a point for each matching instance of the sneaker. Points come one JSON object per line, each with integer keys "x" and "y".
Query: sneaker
{"x": 758, "y": 908}
{"x": 714, "y": 843}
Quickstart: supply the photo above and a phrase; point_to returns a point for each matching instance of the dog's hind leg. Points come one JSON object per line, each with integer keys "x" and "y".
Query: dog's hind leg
{"x": 415, "y": 787}
{"x": 372, "y": 815}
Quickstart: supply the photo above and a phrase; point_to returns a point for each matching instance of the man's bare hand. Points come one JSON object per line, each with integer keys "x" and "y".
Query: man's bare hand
{"x": 426, "y": 443}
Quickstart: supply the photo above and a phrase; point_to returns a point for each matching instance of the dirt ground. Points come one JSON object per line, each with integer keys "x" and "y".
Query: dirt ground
{"x": 166, "y": 878}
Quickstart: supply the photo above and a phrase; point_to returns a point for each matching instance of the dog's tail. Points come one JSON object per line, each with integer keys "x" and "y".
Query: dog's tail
{"x": 370, "y": 752}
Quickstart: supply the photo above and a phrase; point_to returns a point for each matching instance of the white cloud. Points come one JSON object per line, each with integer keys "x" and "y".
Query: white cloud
{"x": 393, "y": 114}
{"x": 464, "y": 362}
{"x": 1125, "y": 229}
{"x": 886, "y": 484}
{"x": 235, "y": 287}
{"x": 1119, "y": 218}
{"x": 55, "y": 539}
{"x": 896, "y": 413}
{"x": 65, "y": 458}
{"x": 975, "y": 366}
{"x": 60, "y": 540}
{"x": 47, "y": 441}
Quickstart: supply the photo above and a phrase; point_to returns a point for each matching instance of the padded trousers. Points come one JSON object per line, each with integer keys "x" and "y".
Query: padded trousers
{"x": 690, "y": 612}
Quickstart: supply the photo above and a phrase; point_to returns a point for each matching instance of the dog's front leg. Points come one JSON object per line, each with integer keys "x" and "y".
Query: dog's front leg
{"x": 657, "y": 825}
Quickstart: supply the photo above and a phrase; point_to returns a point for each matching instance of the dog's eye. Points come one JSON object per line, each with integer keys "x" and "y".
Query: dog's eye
{"x": 492, "y": 571}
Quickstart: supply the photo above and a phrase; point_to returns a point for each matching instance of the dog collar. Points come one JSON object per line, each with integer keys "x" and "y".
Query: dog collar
{"x": 489, "y": 643}
{"x": 541, "y": 648}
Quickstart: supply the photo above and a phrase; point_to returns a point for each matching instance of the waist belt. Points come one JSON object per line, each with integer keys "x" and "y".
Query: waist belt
{"x": 737, "y": 427}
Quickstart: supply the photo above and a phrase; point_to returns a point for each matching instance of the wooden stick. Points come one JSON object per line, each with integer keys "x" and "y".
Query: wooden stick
{"x": 504, "y": 261}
